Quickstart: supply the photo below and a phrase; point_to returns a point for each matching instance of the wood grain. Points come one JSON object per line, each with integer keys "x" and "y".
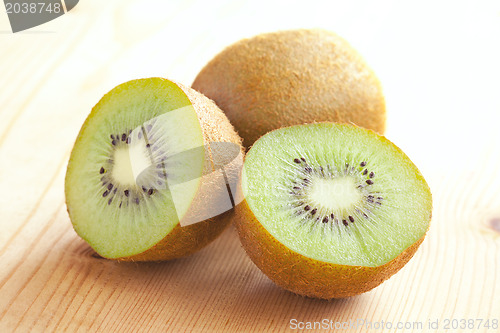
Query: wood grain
{"x": 51, "y": 281}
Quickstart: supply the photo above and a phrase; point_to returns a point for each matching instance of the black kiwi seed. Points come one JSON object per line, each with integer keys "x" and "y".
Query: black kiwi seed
{"x": 105, "y": 194}
{"x": 369, "y": 182}
{"x": 102, "y": 170}
{"x": 325, "y": 219}
{"x": 296, "y": 188}
{"x": 110, "y": 186}
{"x": 112, "y": 137}
{"x": 313, "y": 211}
{"x": 126, "y": 192}
{"x": 113, "y": 142}
{"x": 124, "y": 137}
{"x": 307, "y": 207}
{"x": 351, "y": 218}
{"x": 148, "y": 145}
{"x": 110, "y": 200}
{"x": 345, "y": 223}
{"x": 144, "y": 189}
{"x": 372, "y": 174}
{"x": 365, "y": 172}
{"x": 151, "y": 191}
{"x": 296, "y": 160}
{"x": 303, "y": 159}
{"x": 362, "y": 164}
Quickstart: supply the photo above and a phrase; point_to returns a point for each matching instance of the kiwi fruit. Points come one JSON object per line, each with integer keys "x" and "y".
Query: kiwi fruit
{"x": 292, "y": 77}
{"x": 151, "y": 172}
{"x": 330, "y": 210}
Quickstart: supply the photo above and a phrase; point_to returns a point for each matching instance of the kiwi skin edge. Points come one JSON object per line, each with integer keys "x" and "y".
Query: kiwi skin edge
{"x": 305, "y": 276}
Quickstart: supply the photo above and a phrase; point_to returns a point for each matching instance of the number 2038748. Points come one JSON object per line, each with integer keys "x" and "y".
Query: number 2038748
{"x": 33, "y": 8}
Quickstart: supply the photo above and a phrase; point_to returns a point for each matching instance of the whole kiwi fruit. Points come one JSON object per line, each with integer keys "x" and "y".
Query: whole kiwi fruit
{"x": 292, "y": 77}
{"x": 150, "y": 172}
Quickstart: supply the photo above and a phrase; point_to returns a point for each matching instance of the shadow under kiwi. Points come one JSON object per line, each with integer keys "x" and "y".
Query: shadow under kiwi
{"x": 222, "y": 283}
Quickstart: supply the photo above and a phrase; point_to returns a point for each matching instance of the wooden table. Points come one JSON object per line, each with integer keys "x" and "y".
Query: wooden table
{"x": 439, "y": 67}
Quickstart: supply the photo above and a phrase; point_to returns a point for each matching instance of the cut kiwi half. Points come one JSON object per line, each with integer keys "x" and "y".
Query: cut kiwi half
{"x": 148, "y": 161}
{"x": 331, "y": 210}
{"x": 292, "y": 77}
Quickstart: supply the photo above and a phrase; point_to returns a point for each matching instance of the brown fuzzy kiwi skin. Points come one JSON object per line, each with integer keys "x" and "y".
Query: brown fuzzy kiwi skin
{"x": 292, "y": 77}
{"x": 305, "y": 276}
{"x": 184, "y": 241}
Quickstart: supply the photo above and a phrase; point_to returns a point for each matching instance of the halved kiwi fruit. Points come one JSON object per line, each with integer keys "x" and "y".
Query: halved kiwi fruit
{"x": 151, "y": 171}
{"x": 331, "y": 210}
{"x": 292, "y": 77}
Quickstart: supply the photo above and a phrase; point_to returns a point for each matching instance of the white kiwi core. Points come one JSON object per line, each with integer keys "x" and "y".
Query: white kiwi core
{"x": 338, "y": 193}
{"x": 129, "y": 162}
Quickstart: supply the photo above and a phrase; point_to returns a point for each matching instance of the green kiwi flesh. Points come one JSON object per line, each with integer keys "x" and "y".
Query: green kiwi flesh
{"x": 136, "y": 168}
